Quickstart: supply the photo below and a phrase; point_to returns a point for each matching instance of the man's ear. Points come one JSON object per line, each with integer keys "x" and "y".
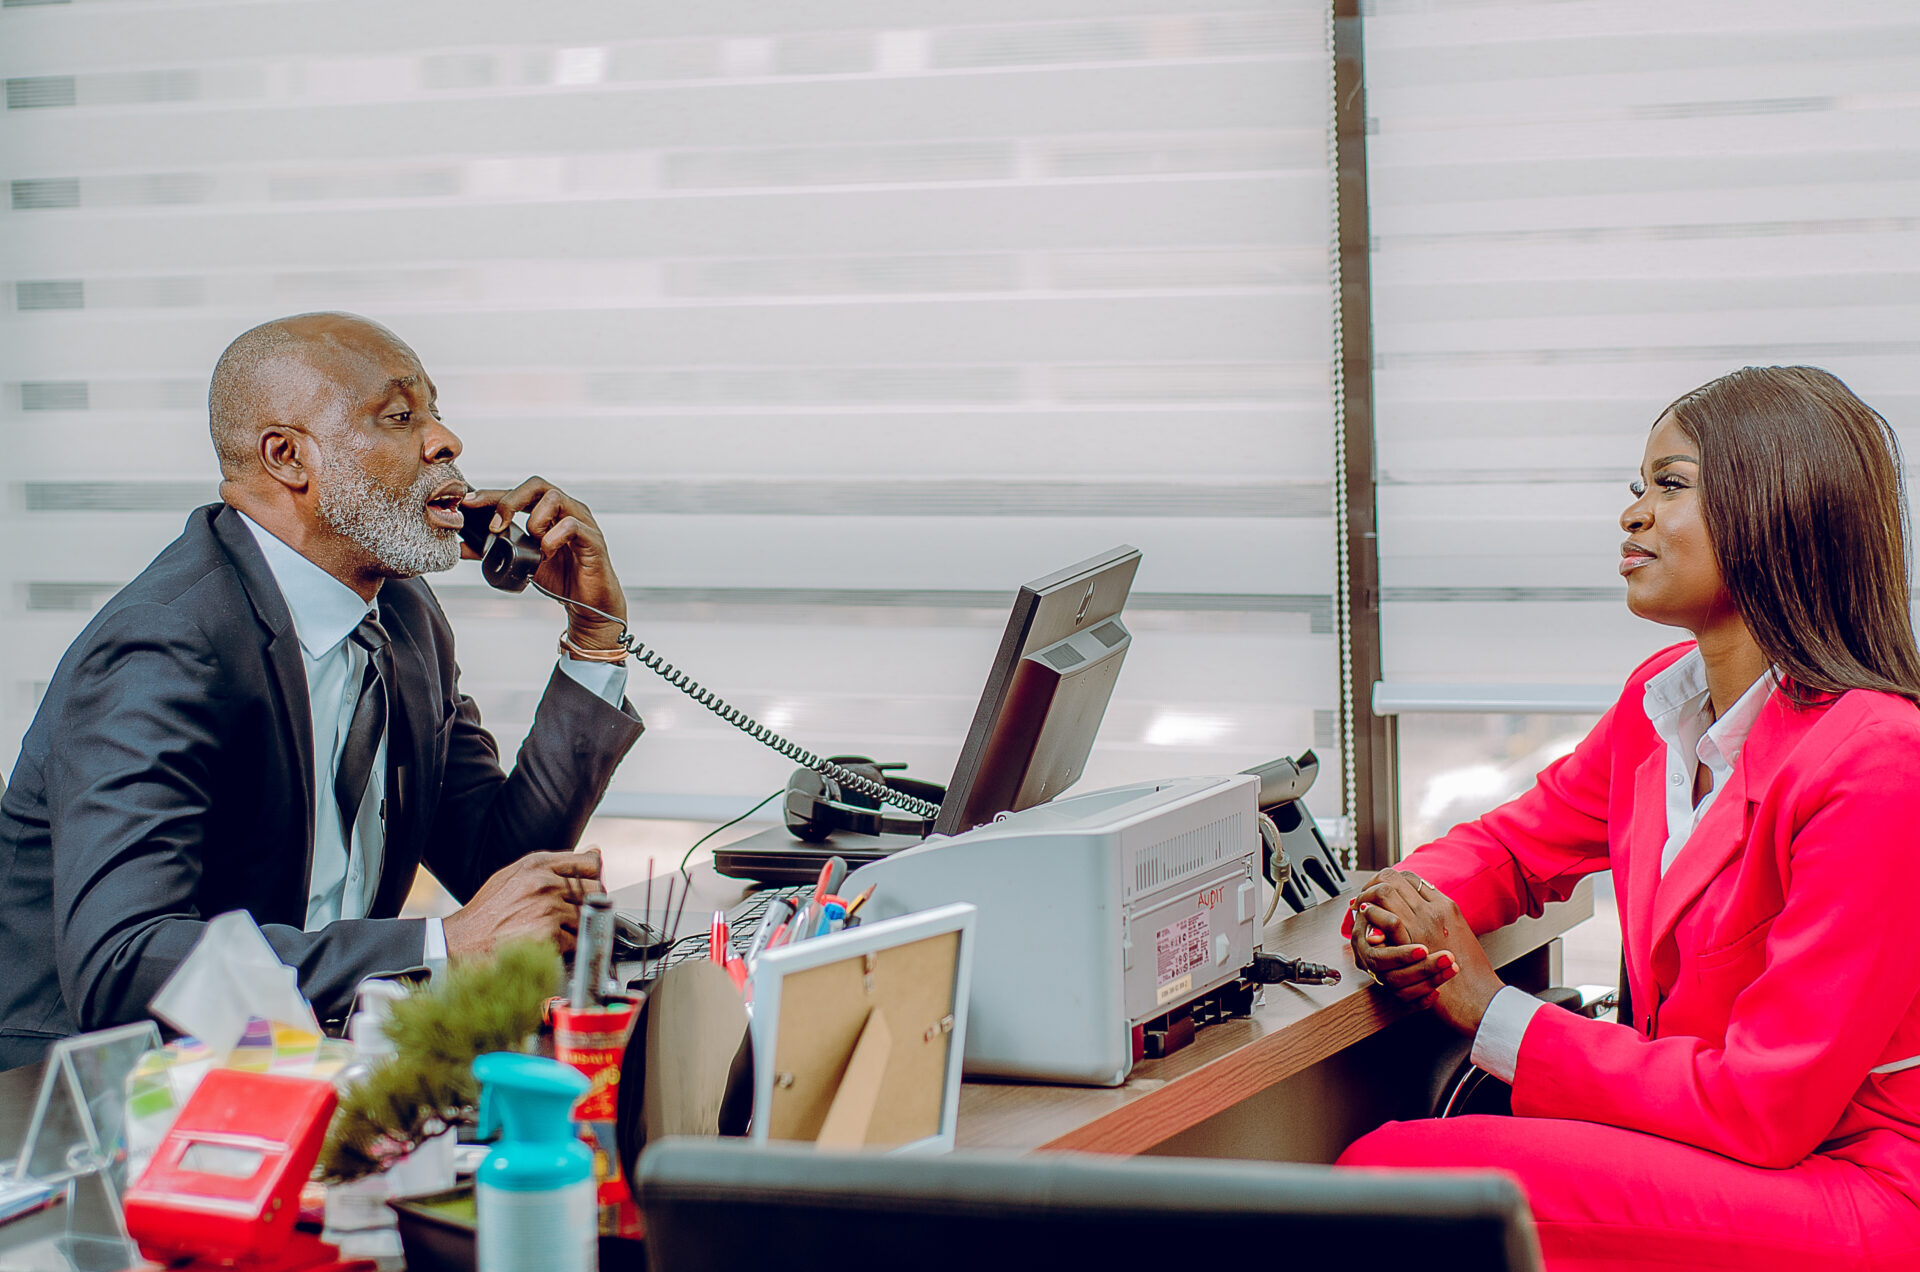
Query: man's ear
{"x": 284, "y": 456}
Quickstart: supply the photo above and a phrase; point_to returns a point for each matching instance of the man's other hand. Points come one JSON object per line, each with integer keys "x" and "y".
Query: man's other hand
{"x": 538, "y": 895}
{"x": 574, "y": 561}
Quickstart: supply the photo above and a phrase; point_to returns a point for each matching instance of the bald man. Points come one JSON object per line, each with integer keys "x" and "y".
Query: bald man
{"x": 269, "y": 718}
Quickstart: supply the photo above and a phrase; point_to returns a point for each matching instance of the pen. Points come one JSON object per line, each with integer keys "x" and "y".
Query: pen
{"x": 717, "y": 938}
{"x": 737, "y": 970}
{"x": 802, "y": 924}
{"x": 775, "y": 918}
{"x": 860, "y": 900}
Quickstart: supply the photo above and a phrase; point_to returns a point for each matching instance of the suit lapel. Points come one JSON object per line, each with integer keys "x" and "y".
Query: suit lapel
{"x": 1720, "y": 836}
{"x": 282, "y": 650}
{"x": 1647, "y": 837}
{"x": 409, "y": 739}
{"x": 1722, "y": 833}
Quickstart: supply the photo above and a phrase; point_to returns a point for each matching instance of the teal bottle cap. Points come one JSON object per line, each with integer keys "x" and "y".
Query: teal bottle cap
{"x": 529, "y": 1100}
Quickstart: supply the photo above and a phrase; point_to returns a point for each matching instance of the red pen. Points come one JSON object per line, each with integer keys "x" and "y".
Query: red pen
{"x": 737, "y": 969}
{"x": 717, "y": 938}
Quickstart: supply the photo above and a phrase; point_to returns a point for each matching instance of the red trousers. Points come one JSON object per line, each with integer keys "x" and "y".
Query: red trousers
{"x": 1606, "y": 1198}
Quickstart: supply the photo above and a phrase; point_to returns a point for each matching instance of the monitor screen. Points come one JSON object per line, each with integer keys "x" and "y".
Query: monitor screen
{"x": 1046, "y": 693}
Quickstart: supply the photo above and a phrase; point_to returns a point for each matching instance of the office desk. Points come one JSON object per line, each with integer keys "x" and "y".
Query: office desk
{"x": 1312, "y": 1069}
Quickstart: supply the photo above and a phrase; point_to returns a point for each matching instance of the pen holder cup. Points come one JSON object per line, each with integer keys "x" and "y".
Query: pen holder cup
{"x": 594, "y": 1041}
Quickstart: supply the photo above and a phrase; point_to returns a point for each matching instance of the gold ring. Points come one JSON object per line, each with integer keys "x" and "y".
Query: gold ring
{"x": 1375, "y": 979}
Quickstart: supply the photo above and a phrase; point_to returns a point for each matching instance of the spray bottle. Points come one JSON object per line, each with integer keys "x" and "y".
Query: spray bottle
{"x": 534, "y": 1190}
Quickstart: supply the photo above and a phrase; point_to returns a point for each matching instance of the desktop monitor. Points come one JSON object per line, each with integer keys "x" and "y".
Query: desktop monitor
{"x": 1046, "y": 692}
{"x": 1031, "y": 734}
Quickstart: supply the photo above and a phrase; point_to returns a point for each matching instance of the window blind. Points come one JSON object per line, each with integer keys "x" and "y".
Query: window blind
{"x": 845, "y": 318}
{"x": 1581, "y": 211}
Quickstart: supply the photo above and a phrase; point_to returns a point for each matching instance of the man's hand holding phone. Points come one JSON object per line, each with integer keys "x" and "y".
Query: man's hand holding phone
{"x": 538, "y": 895}
{"x": 573, "y": 550}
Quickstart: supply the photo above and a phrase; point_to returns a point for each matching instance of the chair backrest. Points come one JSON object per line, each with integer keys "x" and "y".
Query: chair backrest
{"x": 713, "y": 1204}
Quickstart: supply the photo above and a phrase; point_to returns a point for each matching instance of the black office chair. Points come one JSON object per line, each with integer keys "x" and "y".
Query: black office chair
{"x": 712, "y": 1204}
{"x": 1460, "y": 1089}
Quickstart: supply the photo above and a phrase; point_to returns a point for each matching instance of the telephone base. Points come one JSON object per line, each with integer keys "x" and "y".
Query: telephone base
{"x": 774, "y": 857}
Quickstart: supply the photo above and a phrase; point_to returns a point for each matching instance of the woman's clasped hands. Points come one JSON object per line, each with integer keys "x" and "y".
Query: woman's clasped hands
{"x": 1413, "y": 942}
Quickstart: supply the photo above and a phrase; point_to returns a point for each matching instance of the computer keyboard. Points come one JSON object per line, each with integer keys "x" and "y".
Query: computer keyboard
{"x": 743, "y": 921}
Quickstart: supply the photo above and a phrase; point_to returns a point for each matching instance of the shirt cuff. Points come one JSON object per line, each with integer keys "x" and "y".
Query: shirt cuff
{"x": 433, "y": 950}
{"x": 1496, "y": 1046}
{"x": 608, "y": 681}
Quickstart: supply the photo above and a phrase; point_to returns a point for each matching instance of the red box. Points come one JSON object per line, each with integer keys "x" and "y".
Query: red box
{"x": 225, "y": 1183}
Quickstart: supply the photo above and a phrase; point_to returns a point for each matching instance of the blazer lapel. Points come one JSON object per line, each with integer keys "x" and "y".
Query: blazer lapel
{"x": 1647, "y": 837}
{"x": 1722, "y": 833}
{"x": 282, "y": 649}
{"x": 409, "y": 738}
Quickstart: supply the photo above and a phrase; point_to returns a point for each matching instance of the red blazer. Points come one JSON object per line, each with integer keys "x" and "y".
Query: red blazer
{"x": 1776, "y": 963}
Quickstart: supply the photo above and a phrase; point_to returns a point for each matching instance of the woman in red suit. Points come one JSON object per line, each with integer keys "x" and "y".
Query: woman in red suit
{"x": 1756, "y": 793}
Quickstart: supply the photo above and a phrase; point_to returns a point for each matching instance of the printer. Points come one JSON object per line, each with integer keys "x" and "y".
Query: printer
{"x": 1097, "y": 914}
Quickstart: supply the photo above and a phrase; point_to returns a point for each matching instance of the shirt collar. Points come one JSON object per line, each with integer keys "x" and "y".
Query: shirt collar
{"x": 1676, "y": 705}
{"x": 324, "y": 609}
{"x": 1728, "y": 735}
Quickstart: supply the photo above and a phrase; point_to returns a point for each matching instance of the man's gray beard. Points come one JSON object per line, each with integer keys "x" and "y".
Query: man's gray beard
{"x": 392, "y": 529}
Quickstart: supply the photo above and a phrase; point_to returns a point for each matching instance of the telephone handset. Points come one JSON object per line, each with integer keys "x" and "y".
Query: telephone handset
{"x": 508, "y": 561}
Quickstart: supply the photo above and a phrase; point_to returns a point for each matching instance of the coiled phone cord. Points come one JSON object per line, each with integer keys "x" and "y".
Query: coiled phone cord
{"x": 740, "y": 720}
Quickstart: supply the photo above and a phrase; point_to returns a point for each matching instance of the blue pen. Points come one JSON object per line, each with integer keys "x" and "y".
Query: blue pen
{"x": 832, "y": 912}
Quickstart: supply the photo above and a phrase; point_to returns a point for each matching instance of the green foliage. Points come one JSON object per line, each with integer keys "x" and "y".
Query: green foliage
{"x": 472, "y": 1008}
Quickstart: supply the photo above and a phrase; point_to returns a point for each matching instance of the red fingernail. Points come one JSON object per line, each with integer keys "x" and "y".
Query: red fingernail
{"x": 1448, "y": 973}
{"x": 1445, "y": 961}
{"x": 1419, "y": 951}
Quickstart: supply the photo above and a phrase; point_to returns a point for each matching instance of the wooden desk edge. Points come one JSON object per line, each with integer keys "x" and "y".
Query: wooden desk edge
{"x": 1300, "y": 1036}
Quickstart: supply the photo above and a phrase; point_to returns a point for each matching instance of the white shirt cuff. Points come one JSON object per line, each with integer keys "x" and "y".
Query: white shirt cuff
{"x": 433, "y": 951}
{"x": 606, "y": 680}
{"x": 1496, "y": 1046}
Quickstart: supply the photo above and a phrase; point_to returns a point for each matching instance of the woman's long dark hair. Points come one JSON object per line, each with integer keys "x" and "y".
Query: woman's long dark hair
{"x": 1800, "y": 481}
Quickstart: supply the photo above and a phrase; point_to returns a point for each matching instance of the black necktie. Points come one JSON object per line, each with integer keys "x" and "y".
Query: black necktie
{"x": 363, "y": 735}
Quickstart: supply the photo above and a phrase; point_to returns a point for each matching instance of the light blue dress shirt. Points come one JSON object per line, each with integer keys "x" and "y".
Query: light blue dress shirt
{"x": 346, "y": 870}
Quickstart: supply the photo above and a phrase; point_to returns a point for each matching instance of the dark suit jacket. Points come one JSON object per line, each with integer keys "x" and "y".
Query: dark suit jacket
{"x": 167, "y": 778}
